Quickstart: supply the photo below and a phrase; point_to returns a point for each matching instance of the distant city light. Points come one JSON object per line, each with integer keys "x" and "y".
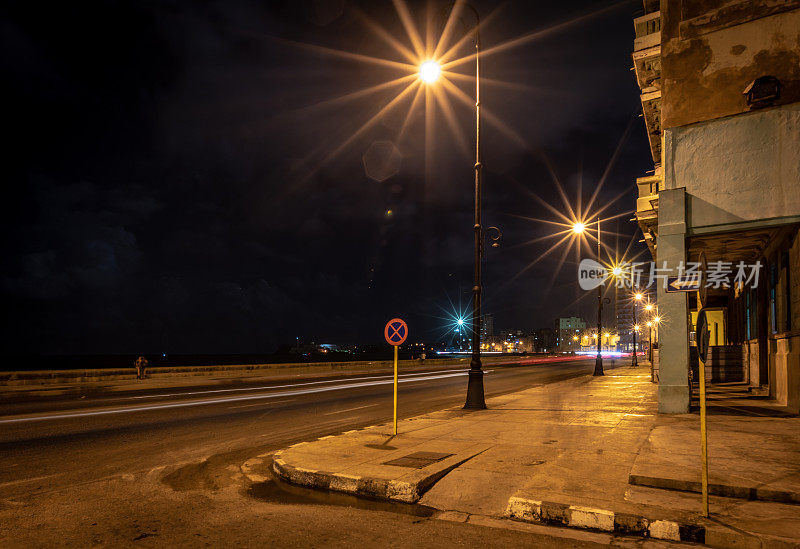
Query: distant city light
{"x": 638, "y": 297}
{"x": 648, "y": 307}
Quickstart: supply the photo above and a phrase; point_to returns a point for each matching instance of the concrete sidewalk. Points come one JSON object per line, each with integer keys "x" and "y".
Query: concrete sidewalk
{"x": 558, "y": 454}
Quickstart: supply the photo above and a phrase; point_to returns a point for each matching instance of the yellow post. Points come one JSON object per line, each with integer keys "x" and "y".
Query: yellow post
{"x": 703, "y": 437}
{"x": 395, "y": 389}
{"x": 701, "y": 367}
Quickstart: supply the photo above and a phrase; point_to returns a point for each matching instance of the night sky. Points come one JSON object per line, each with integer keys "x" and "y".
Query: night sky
{"x": 170, "y": 187}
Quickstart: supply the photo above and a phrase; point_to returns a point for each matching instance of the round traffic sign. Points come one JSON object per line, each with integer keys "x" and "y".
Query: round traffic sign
{"x": 702, "y": 294}
{"x": 702, "y": 335}
{"x": 395, "y": 332}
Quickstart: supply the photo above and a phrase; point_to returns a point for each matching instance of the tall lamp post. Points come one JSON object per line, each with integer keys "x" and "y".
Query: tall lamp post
{"x": 475, "y": 394}
{"x": 656, "y": 320}
{"x": 579, "y": 228}
{"x": 649, "y": 308}
{"x": 429, "y": 72}
{"x": 636, "y": 298}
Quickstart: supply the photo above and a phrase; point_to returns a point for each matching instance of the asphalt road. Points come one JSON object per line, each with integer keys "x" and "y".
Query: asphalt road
{"x": 77, "y": 440}
{"x": 72, "y": 448}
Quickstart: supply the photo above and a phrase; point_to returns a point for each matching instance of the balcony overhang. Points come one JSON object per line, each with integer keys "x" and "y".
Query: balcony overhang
{"x": 651, "y": 110}
{"x": 734, "y": 246}
{"x": 647, "y": 67}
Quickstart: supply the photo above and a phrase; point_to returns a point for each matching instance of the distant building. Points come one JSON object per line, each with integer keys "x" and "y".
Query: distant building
{"x": 566, "y": 330}
{"x": 545, "y": 340}
{"x": 510, "y": 341}
{"x": 487, "y": 327}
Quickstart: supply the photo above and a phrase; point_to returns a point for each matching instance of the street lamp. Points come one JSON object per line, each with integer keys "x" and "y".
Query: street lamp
{"x": 579, "y": 228}
{"x": 656, "y": 322}
{"x": 429, "y": 72}
{"x": 637, "y": 297}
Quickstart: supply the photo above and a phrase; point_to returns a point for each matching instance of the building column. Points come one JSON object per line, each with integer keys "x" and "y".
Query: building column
{"x": 673, "y": 333}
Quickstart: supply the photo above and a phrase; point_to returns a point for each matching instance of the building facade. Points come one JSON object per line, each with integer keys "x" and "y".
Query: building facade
{"x": 720, "y": 93}
{"x": 568, "y": 331}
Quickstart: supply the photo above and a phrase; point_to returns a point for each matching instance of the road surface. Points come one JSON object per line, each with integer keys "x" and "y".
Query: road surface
{"x": 70, "y": 465}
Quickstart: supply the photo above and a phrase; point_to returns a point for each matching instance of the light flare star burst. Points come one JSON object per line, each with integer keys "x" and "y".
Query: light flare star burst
{"x": 430, "y": 71}
{"x": 424, "y": 76}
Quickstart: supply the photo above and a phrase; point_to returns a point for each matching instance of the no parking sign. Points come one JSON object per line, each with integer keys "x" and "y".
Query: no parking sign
{"x": 395, "y": 332}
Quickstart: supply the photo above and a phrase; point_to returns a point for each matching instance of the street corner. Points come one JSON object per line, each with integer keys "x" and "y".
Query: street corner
{"x": 371, "y": 464}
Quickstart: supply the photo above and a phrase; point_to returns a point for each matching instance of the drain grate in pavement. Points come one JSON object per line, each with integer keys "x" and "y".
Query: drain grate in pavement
{"x": 418, "y": 460}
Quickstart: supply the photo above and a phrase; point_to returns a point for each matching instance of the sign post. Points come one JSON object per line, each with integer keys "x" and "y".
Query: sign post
{"x": 395, "y": 332}
{"x": 702, "y": 340}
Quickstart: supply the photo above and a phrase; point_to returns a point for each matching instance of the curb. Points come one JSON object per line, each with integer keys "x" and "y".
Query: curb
{"x": 725, "y": 490}
{"x": 407, "y": 489}
{"x": 575, "y": 516}
{"x": 586, "y": 518}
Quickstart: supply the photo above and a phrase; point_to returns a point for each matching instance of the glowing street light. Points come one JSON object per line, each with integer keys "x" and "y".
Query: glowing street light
{"x": 430, "y": 71}
{"x": 578, "y": 228}
{"x": 635, "y": 360}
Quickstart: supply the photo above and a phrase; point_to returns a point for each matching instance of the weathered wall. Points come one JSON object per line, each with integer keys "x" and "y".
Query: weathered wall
{"x": 739, "y": 168}
{"x": 673, "y": 338}
{"x": 712, "y": 49}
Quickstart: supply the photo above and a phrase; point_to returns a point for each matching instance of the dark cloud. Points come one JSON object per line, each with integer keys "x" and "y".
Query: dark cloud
{"x": 172, "y": 184}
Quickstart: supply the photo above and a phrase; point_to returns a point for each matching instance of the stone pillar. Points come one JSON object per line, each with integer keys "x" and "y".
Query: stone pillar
{"x": 673, "y": 333}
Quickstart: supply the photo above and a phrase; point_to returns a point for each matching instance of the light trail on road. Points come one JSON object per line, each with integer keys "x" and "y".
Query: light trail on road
{"x": 281, "y": 386}
{"x": 310, "y": 390}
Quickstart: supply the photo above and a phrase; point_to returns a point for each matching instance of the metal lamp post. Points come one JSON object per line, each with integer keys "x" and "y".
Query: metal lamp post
{"x": 579, "y": 228}
{"x": 429, "y": 72}
{"x": 649, "y": 308}
{"x": 475, "y": 393}
{"x": 635, "y": 361}
{"x": 656, "y": 320}
{"x": 598, "y": 361}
